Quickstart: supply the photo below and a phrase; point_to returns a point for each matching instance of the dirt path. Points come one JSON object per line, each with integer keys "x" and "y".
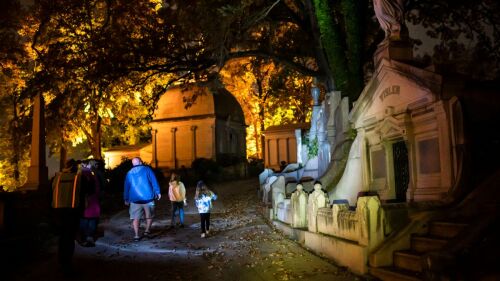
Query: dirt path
{"x": 241, "y": 246}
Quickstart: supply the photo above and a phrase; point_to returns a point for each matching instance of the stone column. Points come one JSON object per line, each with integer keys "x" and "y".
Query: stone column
{"x": 287, "y": 150}
{"x": 277, "y": 151}
{"x": 268, "y": 152}
{"x": 37, "y": 171}
{"x": 154, "y": 152}
{"x": 193, "y": 129}
{"x": 174, "y": 155}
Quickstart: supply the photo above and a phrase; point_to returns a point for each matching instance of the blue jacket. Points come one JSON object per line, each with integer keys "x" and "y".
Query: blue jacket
{"x": 141, "y": 185}
{"x": 204, "y": 202}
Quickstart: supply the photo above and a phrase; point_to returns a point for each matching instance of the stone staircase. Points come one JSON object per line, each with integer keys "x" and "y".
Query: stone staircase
{"x": 407, "y": 264}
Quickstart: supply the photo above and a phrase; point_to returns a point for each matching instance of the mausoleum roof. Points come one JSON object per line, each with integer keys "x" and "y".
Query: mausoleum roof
{"x": 178, "y": 103}
{"x": 287, "y": 127}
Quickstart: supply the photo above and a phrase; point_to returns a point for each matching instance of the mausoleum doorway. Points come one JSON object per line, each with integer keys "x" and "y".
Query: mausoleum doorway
{"x": 401, "y": 170}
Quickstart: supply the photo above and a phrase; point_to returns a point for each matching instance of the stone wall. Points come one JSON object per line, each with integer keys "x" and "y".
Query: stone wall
{"x": 335, "y": 231}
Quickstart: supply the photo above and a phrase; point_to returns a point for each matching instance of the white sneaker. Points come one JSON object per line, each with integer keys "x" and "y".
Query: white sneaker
{"x": 203, "y": 235}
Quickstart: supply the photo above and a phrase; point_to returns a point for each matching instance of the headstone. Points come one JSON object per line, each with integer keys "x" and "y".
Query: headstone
{"x": 317, "y": 199}
{"x": 298, "y": 138}
{"x": 278, "y": 191}
{"x": 264, "y": 175}
{"x": 299, "y": 207}
{"x": 371, "y": 218}
{"x": 267, "y": 189}
{"x": 334, "y": 99}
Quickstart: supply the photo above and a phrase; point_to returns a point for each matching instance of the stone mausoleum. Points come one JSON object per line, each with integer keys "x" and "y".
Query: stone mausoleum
{"x": 396, "y": 201}
{"x": 210, "y": 127}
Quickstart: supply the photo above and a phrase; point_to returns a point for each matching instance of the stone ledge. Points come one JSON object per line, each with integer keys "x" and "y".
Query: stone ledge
{"x": 343, "y": 252}
{"x": 292, "y": 233}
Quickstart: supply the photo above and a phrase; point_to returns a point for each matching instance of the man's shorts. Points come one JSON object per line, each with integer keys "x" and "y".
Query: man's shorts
{"x": 137, "y": 211}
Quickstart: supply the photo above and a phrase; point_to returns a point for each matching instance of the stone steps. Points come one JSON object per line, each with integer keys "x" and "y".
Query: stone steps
{"x": 408, "y": 260}
{"x": 394, "y": 274}
{"x": 407, "y": 264}
{"x": 422, "y": 244}
{"x": 446, "y": 229}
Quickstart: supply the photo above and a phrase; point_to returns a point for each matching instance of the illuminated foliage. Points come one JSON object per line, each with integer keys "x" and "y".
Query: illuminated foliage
{"x": 269, "y": 95}
{"x": 88, "y": 92}
{"x": 102, "y": 65}
{"x": 16, "y": 67}
{"x": 341, "y": 25}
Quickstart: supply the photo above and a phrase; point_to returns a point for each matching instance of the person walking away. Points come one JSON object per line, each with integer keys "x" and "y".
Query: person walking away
{"x": 203, "y": 199}
{"x": 141, "y": 189}
{"x": 177, "y": 195}
{"x": 68, "y": 192}
{"x": 92, "y": 211}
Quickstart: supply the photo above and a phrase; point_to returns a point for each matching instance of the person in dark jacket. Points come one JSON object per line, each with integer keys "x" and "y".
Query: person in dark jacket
{"x": 68, "y": 193}
{"x": 141, "y": 189}
{"x": 92, "y": 211}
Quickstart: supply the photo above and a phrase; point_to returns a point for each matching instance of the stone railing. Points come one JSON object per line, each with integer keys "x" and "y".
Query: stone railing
{"x": 339, "y": 221}
{"x": 364, "y": 226}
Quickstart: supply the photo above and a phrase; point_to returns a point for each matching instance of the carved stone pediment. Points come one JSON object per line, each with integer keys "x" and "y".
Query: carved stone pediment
{"x": 392, "y": 89}
{"x": 389, "y": 128}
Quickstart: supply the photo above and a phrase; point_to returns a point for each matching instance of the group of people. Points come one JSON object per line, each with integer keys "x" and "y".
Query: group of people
{"x": 142, "y": 190}
{"x": 75, "y": 201}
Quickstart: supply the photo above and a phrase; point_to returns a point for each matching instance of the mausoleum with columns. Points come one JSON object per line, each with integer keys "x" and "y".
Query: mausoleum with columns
{"x": 212, "y": 126}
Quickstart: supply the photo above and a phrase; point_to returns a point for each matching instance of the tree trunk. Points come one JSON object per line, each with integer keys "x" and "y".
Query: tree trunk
{"x": 257, "y": 140}
{"x": 95, "y": 145}
{"x": 63, "y": 153}
{"x": 262, "y": 138}
{"x": 318, "y": 48}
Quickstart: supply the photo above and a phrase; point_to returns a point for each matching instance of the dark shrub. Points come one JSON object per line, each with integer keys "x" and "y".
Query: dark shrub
{"x": 116, "y": 176}
{"x": 205, "y": 168}
{"x": 255, "y": 166}
{"x": 228, "y": 159}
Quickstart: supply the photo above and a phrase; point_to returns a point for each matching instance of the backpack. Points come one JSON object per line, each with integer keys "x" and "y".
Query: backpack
{"x": 66, "y": 190}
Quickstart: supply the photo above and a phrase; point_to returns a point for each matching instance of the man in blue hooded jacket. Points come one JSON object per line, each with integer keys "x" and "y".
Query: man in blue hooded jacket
{"x": 141, "y": 189}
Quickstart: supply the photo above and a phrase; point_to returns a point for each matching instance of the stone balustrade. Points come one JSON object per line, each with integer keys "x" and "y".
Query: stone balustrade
{"x": 339, "y": 221}
{"x": 365, "y": 225}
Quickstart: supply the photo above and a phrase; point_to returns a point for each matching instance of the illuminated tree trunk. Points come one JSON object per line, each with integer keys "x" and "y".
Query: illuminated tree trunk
{"x": 262, "y": 138}
{"x": 257, "y": 136}
{"x": 95, "y": 143}
{"x": 63, "y": 155}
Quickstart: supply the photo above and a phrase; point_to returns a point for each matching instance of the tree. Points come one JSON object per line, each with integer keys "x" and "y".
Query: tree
{"x": 15, "y": 69}
{"x": 467, "y": 33}
{"x": 82, "y": 71}
{"x": 269, "y": 95}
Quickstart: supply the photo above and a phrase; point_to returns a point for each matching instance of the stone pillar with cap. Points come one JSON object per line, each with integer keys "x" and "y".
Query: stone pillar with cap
{"x": 396, "y": 44}
{"x": 37, "y": 171}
